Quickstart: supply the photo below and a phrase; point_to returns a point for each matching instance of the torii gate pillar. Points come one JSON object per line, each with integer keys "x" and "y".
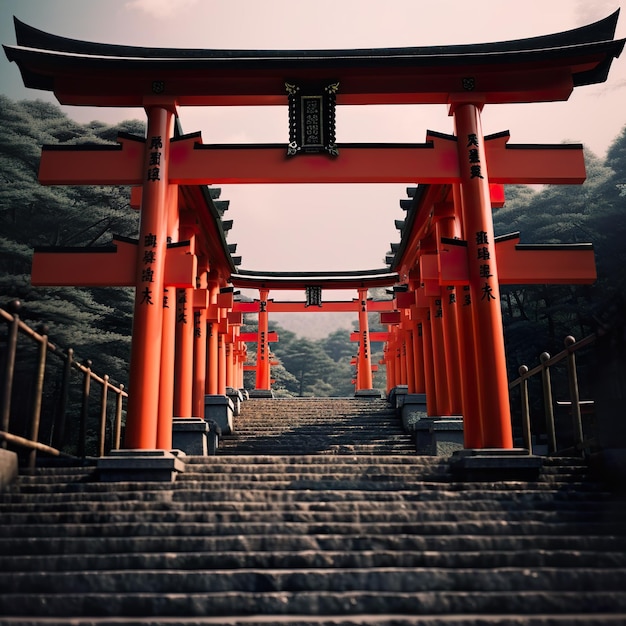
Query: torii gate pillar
{"x": 364, "y": 385}
{"x": 263, "y": 346}
{"x": 145, "y": 359}
{"x": 488, "y": 330}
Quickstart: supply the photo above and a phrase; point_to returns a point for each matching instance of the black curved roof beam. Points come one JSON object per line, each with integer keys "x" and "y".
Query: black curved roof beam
{"x": 540, "y": 68}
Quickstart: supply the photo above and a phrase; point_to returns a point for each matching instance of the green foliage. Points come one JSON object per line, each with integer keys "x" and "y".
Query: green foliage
{"x": 95, "y": 322}
{"x": 538, "y": 317}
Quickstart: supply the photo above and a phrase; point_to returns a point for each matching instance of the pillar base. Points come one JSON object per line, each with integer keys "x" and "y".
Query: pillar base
{"x": 368, "y": 393}
{"x": 236, "y": 397}
{"x": 189, "y": 434}
{"x": 8, "y": 467}
{"x": 260, "y": 393}
{"x": 397, "y": 395}
{"x": 439, "y": 436}
{"x": 140, "y": 465}
{"x": 495, "y": 464}
{"x": 413, "y": 410}
{"x": 219, "y": 409}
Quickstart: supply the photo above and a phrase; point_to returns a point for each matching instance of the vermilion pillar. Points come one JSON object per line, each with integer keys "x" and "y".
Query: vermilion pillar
{"x": 410, "y": 359}
{"x": 221, "y": 369}
{"x": 364, "y": 364}
{"x": 483, "y": 279}
{"x": 402, "y": 356}
{"x": 263, "y": 346}
{"x": 472, "y": 420}
{"x": 429, "y": 368}
{"x": 183, "y": 389}
{"x": 230, "y": 365}
{"x": 199, "y": 341}
{"x": 390, "y": 362}
{"x": 168, "y": 341}
{"x": 450, "y": 228}
{"x": 418, "y": 353}
{"x": 145, "y": 360}
{"x": 213, "y": 342}
{"x": 439, "y": 357}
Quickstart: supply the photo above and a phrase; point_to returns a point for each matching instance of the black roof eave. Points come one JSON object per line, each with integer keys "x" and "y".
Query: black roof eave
{"x": 602, "y": 30}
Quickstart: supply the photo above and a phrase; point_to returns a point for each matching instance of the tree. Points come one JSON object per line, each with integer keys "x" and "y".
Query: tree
{"x": 96, "y": 322}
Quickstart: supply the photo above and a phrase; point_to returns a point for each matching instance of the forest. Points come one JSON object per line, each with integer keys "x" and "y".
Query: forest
{"x": 97, "y": 322}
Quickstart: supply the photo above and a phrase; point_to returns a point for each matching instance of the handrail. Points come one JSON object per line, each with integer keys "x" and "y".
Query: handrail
{"x": 16, "y": 327}
{"x": 581, "y": 445}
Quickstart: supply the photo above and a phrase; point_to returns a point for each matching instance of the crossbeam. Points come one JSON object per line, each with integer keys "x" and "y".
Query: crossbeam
{"x": 338, "y": 306}
{"x": 193, "y": 163}
{"x": 518, "y": 264}
{"x": 272, "y": 337}
{"x": 374, "y": 336}
{"x": 113, "y": 266}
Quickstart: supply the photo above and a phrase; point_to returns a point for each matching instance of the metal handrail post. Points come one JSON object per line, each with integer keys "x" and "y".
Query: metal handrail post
{"x": 525, "y": 409}
{"x": 61, "y": 418}
{"x": 573, "y": 392}
{"x": 9, "y": 369}
{"x": 103, "y": 414}
{"x": 117, "y": 429}
{"x": 37, "y": 398}
{"x": 548, "y": 401}
{"x": 84, "y": 412}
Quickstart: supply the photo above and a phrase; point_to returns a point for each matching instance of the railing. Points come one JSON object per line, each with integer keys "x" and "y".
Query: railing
{"x": 68, "y": 402}
{"x": 580, "y": 443}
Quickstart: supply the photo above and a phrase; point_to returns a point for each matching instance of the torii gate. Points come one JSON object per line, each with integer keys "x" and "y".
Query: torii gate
{"x": 360, "y": 281}
{"x": 466, "y": 78}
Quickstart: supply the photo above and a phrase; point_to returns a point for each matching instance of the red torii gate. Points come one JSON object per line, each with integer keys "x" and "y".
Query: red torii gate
{"x": 360, "y": 281}
{"x": 465, "y": 78}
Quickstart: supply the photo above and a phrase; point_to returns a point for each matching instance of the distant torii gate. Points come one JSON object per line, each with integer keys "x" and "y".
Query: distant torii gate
{"x": 465, "y": 78}
{"x": 359, "y": 281}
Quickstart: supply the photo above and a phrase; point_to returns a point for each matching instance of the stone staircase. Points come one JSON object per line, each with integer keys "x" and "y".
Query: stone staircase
{"x": 354, "y": 533}
{"x": 317, "y": 426}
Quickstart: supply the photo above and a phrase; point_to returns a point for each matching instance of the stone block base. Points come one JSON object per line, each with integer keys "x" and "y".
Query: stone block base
{"x": 260, "y": 393}
{"x": 190, "y": 435}
{"x": 236, "y": 397}
{"x": 397, "y": 395}
{"x": 495, "y": 464}
{"x": 439, "y": 436}
{"x": 413, "y": 410}
{"x": 140, "y": 465}
{"x": 219, "y": 409}
{"x": 8, "y": 467}
{"x": 368, "y": 393}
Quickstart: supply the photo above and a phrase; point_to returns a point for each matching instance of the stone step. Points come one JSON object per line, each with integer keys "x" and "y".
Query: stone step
{"x": 565, "y": 619}
{"x": 193, "y": 495}
{"x": 272, "y": 448}
{"x": 176, "y": 529}
{"x": 317, "y": 491}
{"x": 321, "y": 426}
{"x": 279, "y": 542}
{"x": 452, "y": 505}
{"x": 387, "y": 579}
{"x": 274, "y": 559}
{"x": 284, "y": 559}
{"x": 268, "y": 603}
{"x": 279, "y": 515}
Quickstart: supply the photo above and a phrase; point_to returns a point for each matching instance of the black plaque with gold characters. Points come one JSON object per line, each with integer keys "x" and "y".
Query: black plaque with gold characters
{"x": 312, "y": 118}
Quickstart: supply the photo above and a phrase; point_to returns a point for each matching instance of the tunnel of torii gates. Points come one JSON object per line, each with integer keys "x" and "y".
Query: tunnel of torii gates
{"x": 445, "y": 335}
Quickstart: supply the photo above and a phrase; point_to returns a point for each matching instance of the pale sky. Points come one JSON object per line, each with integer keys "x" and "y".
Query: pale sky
{"x": 331, "y": 227}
